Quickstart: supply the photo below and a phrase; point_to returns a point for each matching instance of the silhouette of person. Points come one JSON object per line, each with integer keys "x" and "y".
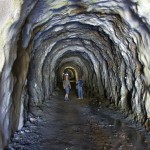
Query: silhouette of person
{"x": 66, "y": 86}
{"x": 80, "y": 88}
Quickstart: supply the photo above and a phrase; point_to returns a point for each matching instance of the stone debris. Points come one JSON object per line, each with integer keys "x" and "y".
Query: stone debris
{"x": 66, "y": 127}
{"x": 27, "y": 131}
{"x": 33, "y": 120}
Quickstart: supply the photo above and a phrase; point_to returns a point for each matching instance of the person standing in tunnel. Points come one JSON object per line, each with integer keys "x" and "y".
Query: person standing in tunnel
{"x": 66, "y": 86}
{"x": 80, "y": 88}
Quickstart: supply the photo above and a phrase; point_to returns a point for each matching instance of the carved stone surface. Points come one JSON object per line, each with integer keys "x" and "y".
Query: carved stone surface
{"x": 105, "y": 41}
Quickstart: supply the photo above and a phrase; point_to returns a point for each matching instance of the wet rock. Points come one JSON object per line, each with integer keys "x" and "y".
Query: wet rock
{"x": 132, "y": 116}
{"x": 22, "y": 132}
{"x": 147, "y": 125}
{"x": 27, "y": 131}
{"x": 10, "y": 148}
{"x": 33, "y": 120}
{"x": 111, "y": 106}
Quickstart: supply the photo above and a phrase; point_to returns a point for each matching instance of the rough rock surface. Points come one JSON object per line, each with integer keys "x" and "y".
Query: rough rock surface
{"x": 73, "y": 125}
{"x": 108, "y": 42}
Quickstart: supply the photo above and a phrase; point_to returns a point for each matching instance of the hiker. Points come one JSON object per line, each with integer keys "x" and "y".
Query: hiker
{"x": 66, "y": 86}
{"x": 80, "y": 88}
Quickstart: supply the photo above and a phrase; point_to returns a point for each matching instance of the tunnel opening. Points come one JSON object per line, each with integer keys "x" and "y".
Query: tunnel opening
{"x": 72, "y": 74}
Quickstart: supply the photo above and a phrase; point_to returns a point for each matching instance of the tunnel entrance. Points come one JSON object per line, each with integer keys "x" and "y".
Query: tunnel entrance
{"x": 72, "y": 74}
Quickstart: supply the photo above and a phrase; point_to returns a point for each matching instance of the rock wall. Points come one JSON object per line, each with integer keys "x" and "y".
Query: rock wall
{"x": 105, "y": 41}
{"x": 13, "y": 66}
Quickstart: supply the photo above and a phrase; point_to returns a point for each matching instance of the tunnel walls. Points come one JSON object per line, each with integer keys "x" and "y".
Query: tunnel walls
{"x": 105, "y": 41}
{"x": 13, "y": 67}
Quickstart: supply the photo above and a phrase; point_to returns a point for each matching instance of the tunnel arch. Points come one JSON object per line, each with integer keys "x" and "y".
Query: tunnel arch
{"x": 78, "y": 63}
{"x": 58, "y": 55}
{"x": 109, "y": 22}
{"x": 71, "y": 73}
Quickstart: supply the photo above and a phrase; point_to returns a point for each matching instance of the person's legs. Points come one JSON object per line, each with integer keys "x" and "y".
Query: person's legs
{"x": 81, "y": 93}
{"x": 67, "y": 93}
{"x": 66, "y": 96}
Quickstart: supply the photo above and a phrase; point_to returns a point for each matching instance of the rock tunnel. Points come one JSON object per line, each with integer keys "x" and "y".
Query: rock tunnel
{"x": 105, "y": 42}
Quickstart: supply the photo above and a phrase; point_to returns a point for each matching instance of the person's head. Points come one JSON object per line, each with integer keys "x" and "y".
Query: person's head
{"x": 80, "y": 78}
{"x": 66, "y": 77}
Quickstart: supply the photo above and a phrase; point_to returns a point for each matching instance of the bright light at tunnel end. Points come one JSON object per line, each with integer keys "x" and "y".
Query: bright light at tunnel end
{"x": 66, "y": 74}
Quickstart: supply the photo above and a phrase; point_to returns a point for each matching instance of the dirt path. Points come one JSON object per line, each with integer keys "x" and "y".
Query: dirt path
{"x": 73, "y": 125}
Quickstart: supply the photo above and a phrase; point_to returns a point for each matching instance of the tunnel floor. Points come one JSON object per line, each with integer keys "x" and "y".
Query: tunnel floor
{"x": 74, "y": 125}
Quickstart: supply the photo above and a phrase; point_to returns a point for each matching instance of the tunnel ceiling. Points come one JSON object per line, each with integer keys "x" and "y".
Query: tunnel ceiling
{"x": 108, "y": 35}
{"x": 107, "y": 42}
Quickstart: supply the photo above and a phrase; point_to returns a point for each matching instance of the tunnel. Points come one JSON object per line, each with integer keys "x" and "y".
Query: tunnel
{"x": 107, "y": 43}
